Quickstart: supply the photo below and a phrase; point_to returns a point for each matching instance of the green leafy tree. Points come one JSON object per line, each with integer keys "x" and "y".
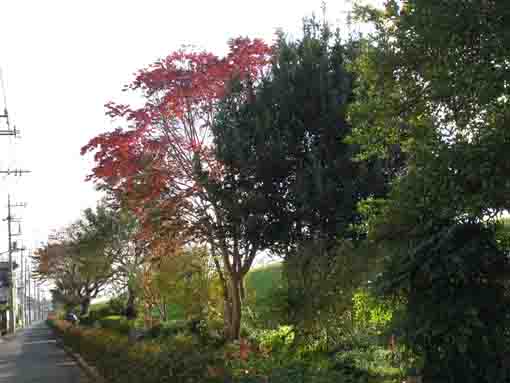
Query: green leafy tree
{"x": 433, "y": 81}
{"x": 75, "y": 264}
{"x": 99, "y": 251}
{"x": 184, "y": 281}
{"x": 118, "y": 232}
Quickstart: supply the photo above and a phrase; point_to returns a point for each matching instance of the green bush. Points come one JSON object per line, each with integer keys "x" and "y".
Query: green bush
{"x": 180, "y": 360}
{"x": 98, "y": 311}
{"x": 184, "y": 358}
{"x": 370, "y": 313}
{"x": 168, "y": 328}
{"x": 455, "y": 281}
{"x": 117, "y": 305}
{"x": 275, "y": 341}
{"x": 205, "y": 332}
{"x": 316, "y": 369}
{"x": 369, "y": 361}
{"x": 116, "y": 323}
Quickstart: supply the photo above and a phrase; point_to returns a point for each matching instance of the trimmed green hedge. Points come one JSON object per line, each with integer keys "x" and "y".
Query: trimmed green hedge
{"x": 118, "y": 361}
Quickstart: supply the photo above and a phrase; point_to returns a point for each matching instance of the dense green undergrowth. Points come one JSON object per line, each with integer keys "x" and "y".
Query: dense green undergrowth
{"x": 193, "y": 350}
{"x": 118, "y": 360}
{"x": 177, "y": 354}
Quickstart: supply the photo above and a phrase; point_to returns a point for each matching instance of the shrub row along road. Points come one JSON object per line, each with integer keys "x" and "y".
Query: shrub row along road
{"x": 33, "y": 356}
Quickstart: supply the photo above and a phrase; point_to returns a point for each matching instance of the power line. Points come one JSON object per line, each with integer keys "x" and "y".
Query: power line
{"x": 5, "y": 115}
{"x": 12, "y": 248}
{"x": 16, "y": 172}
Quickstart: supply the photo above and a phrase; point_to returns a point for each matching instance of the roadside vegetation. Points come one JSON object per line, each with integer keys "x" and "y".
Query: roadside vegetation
{"x": 372, "y": 166}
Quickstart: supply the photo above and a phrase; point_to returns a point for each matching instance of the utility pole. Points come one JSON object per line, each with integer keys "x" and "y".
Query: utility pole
{"x": 12, "y": 320}
{"x": 25, "y": 294}
{"x": 38, "y": 294}
{"x": 29, "y": 298}
{"x": 12, "y": 292}
{"x": 21, "y": 290}
{"x": 41, "y": 304}
{"x": 28, "y": 319}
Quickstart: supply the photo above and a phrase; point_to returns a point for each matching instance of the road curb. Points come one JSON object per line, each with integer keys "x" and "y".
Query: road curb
{"x": 89, "y": 370}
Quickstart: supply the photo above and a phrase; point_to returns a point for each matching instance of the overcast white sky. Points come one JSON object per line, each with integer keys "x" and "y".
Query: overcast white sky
{"x": 63, "y": 59}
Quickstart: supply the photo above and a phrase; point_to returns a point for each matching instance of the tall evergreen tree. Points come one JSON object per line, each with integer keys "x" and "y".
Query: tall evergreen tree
{"x": 290, "y": 173}
{"x": 285, "y": 142}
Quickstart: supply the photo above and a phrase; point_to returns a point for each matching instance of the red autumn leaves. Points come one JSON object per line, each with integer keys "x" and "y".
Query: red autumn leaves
{"x": 154, "y": 154}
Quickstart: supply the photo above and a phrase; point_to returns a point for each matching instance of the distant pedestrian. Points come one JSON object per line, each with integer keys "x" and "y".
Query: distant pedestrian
{"x": 71, "y": 317}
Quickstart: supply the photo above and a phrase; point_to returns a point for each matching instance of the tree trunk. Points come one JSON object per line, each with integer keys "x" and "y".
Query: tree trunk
{"x": 130, "y": 305}
{"x": 233, "y": 317}
{"x": 242, "y": 291}
{"x": 227, "y": 310}
{"x": 85, "y": 304}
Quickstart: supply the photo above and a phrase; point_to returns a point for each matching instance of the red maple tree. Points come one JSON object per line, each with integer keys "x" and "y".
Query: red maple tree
{"x": 152, "y": 160}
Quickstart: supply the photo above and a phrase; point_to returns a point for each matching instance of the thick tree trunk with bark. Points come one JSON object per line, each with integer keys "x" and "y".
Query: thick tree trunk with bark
{"x": 233, "y": 307}
{"x": 235, "y": 264}
{"x": 227, "y": 310}
{"x": 236, "y": 308}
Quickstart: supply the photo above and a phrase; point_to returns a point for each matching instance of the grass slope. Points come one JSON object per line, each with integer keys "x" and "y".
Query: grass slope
{"x": 261, "y": 280}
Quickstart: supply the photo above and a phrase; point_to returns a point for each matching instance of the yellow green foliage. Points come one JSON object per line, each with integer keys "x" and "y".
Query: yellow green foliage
{"x": 370, "y": 313}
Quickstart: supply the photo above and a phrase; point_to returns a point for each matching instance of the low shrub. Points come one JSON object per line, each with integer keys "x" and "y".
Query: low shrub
{"x": 119, "y": 361}
{"x": 168, "y": 329}
{"x": 117, "y": 305}
{"x": 173, "y": 327}
{"x": 292, "y": 369}
{"x": 277, "y": 341}
{"x": 455, "y": 282}
{"x": 207, "y": 332}
{"x": 97, "y": 312}
{"x": 116, "y": 323}
{"x": 184, "y": 357}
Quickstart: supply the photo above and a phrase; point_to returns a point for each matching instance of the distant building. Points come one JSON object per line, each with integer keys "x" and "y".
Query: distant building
{"x": 4, "y": 295}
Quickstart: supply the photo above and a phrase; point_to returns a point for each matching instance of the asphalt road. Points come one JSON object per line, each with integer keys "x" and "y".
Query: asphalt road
{"x": 32, "y": 356}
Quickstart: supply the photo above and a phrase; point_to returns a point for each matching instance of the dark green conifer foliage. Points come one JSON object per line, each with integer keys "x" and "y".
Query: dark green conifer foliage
{"x": 283, "y": 141}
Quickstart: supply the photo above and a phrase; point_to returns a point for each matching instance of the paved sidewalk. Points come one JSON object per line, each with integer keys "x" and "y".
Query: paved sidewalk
{"x": 33, "y": 357}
